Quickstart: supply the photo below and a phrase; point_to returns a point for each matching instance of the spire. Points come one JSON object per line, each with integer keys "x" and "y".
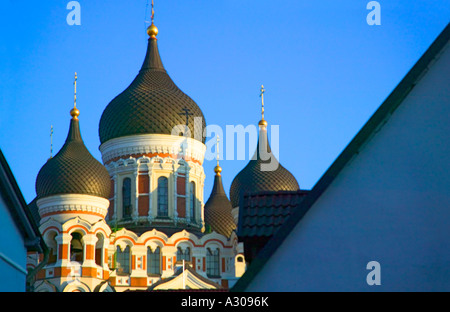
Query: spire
{"x": 152, "y": 59}
{"x": 152, "y": 30}
{"x": 75, "y": 112}
{"x": 262, "y": 122}
{"x": 51, "y": 141}
{"x": 218, "y": 169}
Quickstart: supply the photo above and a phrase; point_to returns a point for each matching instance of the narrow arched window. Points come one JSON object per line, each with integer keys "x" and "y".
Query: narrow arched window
{"x": 126, "y": 198}
{"x": 163, "y": 197}
{"x": 192, "y": 201}
{"x": 154, "y": 261}
{"x": 212, "y": 262}
{"x": 76, "y": 247}
{"x": 123, "y": 260}
{"x": 183, "y": 255}
{"x": 99, "y": 250}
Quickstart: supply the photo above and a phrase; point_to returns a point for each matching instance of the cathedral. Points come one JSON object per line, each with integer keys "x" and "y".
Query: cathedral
{"x": 139, "y": 220}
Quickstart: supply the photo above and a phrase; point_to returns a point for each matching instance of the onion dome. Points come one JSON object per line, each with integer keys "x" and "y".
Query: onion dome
{"x": 73, "y": 170}
{"x": 152, "y": 103}
{"x": 218, "y": 208}
{"x": 256, "y": 178}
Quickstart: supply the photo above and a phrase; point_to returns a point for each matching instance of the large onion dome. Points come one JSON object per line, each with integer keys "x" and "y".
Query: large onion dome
{"x": 152, "y": 104}
{"x": 255, "y": 178}
{"x": 73, "y": 170}
{"x": 218, "y": 208}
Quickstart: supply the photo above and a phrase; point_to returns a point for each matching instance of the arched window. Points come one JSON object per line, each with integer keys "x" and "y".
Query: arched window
{"x": 53, "y": 247}
{"x": 76, "y": 247}
{"x": 192, "y": 201}
{"x": 212, "y": 262}
{"x": 154, "y": 261}
{"x": 99, "y": 250}
{"x": 123, "y": 260}
{"x": 186, "y": 255}
{"x": 126, "y": 198}
{"x": 163, "y": 197}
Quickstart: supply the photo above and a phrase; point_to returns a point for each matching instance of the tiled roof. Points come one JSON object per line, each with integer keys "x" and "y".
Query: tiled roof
{"x": 218, "y": 210}
{"x": 73, "y": 170}
{"x": 151, "y": 104}
{"x": 262, "y": 214}
{"x": 252, "y": 179}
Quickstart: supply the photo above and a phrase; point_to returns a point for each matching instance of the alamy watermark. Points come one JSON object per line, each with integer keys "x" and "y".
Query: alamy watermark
{"x": 374, "y": 16}
{"x": 74, "y": 16}
{"x": 235, "y": 143}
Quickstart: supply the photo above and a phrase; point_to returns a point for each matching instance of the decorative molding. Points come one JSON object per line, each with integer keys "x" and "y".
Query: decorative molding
{"x": 143, "y": 144}
{"x": 73, "y": 203}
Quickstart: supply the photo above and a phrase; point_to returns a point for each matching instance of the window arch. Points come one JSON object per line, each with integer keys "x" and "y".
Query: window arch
{"x": 154, "y": 261}
{"x": 163, "y": 197}
{"x": 192, "y": 201}
{"x": 213, "y": 262}
{"x": 183, "y": 255}
{"x": 123, "y": 260}
{"x": 126, "y": 198}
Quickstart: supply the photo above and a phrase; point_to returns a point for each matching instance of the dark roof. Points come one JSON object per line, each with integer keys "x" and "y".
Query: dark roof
{"x": 73, "y": 170}
{"x": 17, "y": 207}
{"x": 34, "y": 210}
{"x": 152, "y": 104}
{"x": 252, "y": 179}
{"x": 262, "y": 214}
{"x": 392, "y": 102}
{"x": 218, "y": 210}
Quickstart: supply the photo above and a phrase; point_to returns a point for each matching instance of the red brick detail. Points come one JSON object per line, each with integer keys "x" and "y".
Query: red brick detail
{"x": 143, "y": 183}
{"x": 138, "y": 281}
{"x": 181, "y": 207}
{"x": 181, "y": 186}
{"x": 89, "y": 252}
{"x": 143, "y": 205}
{"x": 223, "y": 265}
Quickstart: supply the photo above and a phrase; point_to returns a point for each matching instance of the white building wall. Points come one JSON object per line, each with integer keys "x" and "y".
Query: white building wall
{"x": 390, "y": 204}
{"x": 12, "y": 248}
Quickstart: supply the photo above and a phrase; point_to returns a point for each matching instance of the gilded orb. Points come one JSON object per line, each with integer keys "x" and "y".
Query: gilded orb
{"x": 152, "y": 31}
{"x": 75, "y": 113}
{"x": 218, "y": 170}
{"x": 263, "y": 123}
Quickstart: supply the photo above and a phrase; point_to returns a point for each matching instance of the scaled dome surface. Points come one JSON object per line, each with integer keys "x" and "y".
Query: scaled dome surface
{"x": 252, "y": 179}
{"x": 152, "y": 104}
{"x": 73, "y": 170}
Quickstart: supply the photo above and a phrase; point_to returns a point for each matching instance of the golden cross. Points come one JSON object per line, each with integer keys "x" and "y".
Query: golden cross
{"x": 153, "y": 11}
{"x": 51, "y": 141}
{"x": 217, "y": 150}
{"x": 262, "y": 100}
{"x": 75, "y": 92}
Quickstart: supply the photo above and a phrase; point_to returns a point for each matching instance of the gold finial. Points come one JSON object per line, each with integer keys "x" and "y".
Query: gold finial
{"x": 218, "y": 169}
{"x": 152, "y": 30}
{"x": 75, "y": 112}
{"x": 262, "y": 121}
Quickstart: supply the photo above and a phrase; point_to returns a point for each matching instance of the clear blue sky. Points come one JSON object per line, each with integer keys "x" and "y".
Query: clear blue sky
{"x": 324, "y": 68}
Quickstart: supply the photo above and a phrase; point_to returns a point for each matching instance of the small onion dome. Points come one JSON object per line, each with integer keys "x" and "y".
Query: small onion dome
{"x": 152, "y": 103}
{"x": 218, "y": 209}
{"x": 252, "y": 179}
{"x": 73, "y": 170}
